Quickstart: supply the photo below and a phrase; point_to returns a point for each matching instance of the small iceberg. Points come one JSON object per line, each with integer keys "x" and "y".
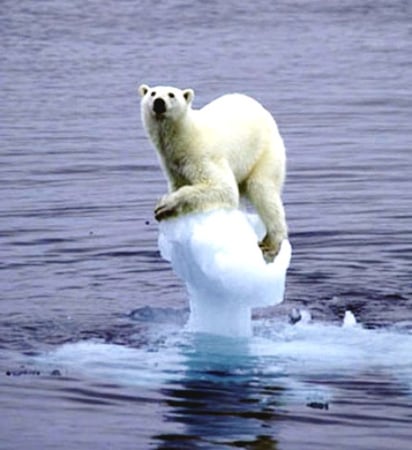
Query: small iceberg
{"x": 217, "y": 255}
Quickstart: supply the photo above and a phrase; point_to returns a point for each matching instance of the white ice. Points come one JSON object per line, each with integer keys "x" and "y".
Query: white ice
{"x": 349, "y": 320}
{"x": 216, "y": 254}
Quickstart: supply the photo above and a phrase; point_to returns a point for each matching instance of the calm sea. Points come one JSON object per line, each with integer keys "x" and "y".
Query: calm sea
{"x": 91, "y": 349}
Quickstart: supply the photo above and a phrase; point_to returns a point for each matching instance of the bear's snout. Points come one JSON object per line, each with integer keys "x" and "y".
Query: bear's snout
{"x": 159, "y": 106}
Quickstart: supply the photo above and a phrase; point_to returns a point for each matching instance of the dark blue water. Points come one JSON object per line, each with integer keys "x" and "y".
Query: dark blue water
{"x": 91, "y": 348}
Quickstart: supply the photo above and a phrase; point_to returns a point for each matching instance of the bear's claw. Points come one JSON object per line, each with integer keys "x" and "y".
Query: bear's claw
{"x": 165, "y": 210}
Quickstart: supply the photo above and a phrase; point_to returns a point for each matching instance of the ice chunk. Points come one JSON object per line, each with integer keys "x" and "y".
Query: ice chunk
{"x": 217, "y": 255}
{"x": 349, "y": 320}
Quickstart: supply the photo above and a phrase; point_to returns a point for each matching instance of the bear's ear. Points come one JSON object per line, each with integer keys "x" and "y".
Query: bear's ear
{"x": 143, "y": 89}
{"x": 188, "y": 95}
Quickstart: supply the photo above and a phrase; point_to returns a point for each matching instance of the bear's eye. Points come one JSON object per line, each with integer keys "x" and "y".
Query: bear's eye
{"x": 171, "y": 95}
{"x": 153, "y": 93}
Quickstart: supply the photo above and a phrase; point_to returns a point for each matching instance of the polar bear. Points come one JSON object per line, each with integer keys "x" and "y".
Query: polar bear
{"x": 212, "y": 155}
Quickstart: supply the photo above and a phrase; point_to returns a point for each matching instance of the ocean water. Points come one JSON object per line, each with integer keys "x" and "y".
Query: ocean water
{"x": 93, "y": 351}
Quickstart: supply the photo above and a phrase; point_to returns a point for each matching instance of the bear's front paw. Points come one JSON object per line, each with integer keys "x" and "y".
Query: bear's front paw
{"x": 166, "y": 208}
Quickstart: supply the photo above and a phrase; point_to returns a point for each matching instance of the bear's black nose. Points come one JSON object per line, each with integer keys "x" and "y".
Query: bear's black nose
{"x": 159, "y": 106}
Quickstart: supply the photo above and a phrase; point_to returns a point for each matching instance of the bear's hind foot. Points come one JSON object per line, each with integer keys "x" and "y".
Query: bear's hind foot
{"x": 269, "y": 251}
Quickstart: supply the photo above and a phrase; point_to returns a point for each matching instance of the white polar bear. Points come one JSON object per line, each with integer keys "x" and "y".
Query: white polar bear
{"x": 228, "y": 148}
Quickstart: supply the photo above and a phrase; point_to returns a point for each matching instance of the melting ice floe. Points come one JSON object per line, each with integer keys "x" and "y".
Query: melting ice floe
{"x": 217, "y": 256}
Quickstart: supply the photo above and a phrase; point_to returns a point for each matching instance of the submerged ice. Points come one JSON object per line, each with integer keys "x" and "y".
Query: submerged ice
{"x": 217, "y": 256}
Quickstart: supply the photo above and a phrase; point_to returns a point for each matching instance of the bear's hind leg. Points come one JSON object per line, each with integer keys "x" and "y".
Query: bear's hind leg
{"x": 265, "y": 197}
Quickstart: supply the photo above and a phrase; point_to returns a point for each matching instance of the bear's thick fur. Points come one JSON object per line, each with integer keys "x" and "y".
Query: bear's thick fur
{"x": 228, "y": 148}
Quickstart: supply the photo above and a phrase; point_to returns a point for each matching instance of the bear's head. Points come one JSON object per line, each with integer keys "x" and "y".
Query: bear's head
{"x": 164, "y": 102}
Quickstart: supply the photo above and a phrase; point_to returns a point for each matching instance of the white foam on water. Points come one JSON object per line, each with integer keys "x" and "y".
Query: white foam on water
{"x": 217, "y": 255}
{"x": 312, "y": 349}
{"x": 125, "y": 365}
{"x": 297, "y": 357}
